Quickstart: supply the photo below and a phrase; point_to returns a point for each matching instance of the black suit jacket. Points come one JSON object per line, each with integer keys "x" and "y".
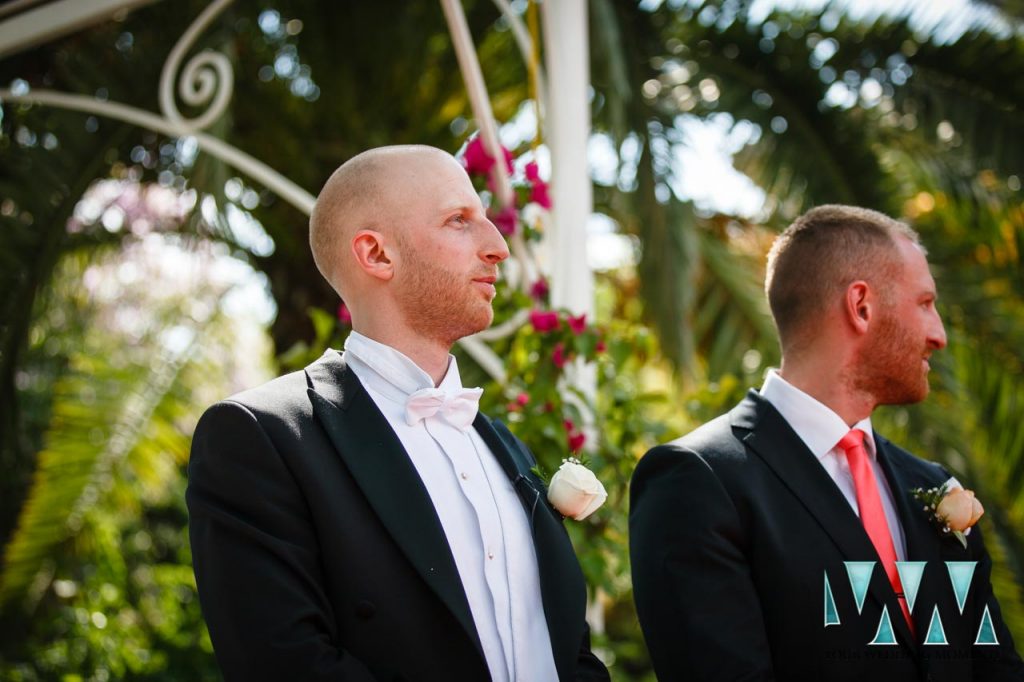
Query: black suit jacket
{"x": 318, "y": 553}
{"x": 732, "y": 531}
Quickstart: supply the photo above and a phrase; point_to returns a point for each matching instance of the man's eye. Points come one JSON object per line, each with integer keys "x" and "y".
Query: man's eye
{"x": 459, "y": 219}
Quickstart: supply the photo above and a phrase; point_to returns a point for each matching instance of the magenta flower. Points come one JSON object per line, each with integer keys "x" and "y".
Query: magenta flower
{"x": 477, "y": 161}
{"x": 532, "y": 172}
{"x": 558, "y": 355}
{"x": 577, "y": 324}
{"x": 505, "y": 220}
{"x": 344, "y": 316}
{"x": 523, "y": 399}
{"x": 539, "y": 290}
{"x": 539, "y": 195}
{"x": 576, "y": 441}
{"x": 544, "y": 321}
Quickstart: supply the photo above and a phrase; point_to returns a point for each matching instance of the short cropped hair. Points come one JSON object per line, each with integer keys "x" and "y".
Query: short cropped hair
{"x": 813, "y": 261}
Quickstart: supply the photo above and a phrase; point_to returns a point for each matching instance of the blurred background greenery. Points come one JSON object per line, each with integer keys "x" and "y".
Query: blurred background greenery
{"x": 141, "y": 281}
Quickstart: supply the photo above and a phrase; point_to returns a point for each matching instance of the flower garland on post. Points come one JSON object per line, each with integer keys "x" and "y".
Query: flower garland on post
{"x": 553, "y": 338}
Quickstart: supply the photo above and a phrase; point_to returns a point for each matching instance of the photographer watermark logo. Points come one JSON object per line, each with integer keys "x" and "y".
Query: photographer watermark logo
{"x": 961, "y": 573}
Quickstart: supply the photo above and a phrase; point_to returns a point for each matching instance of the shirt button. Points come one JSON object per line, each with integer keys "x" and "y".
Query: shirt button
{"x": 465, "y": 476}
{"x": 490, "y": 555}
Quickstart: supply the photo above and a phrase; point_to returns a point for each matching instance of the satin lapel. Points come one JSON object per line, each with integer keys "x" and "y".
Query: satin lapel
{"x": 562, "y": 586}
{"x": 774, "y": 441}
{"x": 921, "y": 536}
{"x": 381, "y": 467}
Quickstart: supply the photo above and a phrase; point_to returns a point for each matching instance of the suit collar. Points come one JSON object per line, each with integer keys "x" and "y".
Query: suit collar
{"x": 380, "y": 466}
{"x": 770, "y": 437}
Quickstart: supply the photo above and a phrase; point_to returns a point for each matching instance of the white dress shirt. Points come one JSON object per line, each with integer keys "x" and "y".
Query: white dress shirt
{"x": 821, "y": 429}
{"x": 481, "y": 514}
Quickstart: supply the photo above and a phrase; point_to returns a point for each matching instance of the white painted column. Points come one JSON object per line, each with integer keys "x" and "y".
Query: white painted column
{"x": 566, "y": 56}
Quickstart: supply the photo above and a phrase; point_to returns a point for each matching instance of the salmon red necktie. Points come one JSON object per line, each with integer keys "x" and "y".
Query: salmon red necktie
{"x": 872, "y": 515}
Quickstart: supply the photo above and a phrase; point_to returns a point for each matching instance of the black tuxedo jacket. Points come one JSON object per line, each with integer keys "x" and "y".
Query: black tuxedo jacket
{"x": 732, "y": 531}
{"x": 318, "y": 553}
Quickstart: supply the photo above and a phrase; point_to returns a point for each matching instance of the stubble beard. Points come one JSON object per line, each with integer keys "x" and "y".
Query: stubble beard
{"x": 890, "y": 366}
{"x": 441, "y": 305}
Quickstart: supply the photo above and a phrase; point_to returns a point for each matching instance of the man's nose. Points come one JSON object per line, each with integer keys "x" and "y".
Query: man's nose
{"x": 494, "y": 248}
{"x": 937, "y": 338}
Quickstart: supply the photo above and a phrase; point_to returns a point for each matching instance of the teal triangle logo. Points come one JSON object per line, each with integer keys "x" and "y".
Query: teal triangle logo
{"x": 986, "y": 632}
{"x": 884, "y": 636}
{"x": 936, "y": 633}
{"x": 911, "y": 573}
{"x": 960, "y": 574}
{"x": 831, "y": 612}
{"x": 860, "y": 577}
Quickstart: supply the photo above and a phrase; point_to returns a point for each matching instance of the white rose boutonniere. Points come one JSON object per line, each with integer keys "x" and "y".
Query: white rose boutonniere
{"x": 575, "y": 491}
{"x": 951, "y": 507}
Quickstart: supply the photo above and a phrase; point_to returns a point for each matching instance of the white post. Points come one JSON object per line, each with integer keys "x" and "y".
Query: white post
{"x": 566, "y": 52}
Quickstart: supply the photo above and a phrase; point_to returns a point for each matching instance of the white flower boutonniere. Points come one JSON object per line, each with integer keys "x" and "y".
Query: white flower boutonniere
{"x": 951, "y": 507}
{"x": 575, "y": 491}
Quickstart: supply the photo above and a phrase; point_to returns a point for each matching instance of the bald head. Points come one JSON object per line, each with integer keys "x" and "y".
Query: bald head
{"x": 365, "y": 193}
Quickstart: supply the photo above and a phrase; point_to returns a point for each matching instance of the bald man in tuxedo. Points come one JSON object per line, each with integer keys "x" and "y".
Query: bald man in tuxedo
{"x": 360, "y": 519}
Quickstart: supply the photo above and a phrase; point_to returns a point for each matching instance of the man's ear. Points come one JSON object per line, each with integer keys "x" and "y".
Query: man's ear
{"x": 371, "y": 254}
{"x": 858, "y": 306}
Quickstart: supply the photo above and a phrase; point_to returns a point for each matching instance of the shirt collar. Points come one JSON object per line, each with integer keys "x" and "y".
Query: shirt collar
{"x": 817, "y": 425}
{"x": 392, "y": 372}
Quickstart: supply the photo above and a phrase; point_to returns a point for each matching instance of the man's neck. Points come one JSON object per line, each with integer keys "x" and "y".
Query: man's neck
{"x": 430, "y": 356}
{"x": 830, "y": 386}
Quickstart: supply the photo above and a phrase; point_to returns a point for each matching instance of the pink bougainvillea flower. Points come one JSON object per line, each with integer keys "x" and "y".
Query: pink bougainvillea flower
{"x": 568, "y": 424}
{"x": 577, "y": 324}
{"x": 538, "y": 188}
{"x": 344, "y": 316}
{"x": 477, "y": 161}
{"x": 539, "y": 290}
{"x": 539, "y": 194}
{"x": 523, "y": 399}
{"x": 600, "y": 347}
{"x": 576, "y": 441}
{"x": 558, "y": 355}
{"x": 544, "y": 321}
{"x": 505, "y": 220}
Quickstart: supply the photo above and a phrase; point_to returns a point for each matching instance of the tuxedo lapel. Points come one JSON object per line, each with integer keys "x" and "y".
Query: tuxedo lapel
{"x": 772, "y": 439}
{"x": 562, "y": 586}
{"x": 381, "y": 467}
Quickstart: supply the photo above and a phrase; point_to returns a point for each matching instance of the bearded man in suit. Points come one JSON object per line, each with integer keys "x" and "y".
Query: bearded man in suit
{"x": 359, "y": 519}
{"x": 782, "y": 540}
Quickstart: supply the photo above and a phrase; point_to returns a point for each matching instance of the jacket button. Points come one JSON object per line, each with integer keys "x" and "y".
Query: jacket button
{"x": 365, "y": 610}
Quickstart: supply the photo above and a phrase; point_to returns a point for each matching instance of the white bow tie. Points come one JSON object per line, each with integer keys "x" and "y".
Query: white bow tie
{"x": 459, "y": 407}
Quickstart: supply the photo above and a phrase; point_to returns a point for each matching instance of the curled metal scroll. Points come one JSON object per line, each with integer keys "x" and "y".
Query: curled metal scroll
{"x": 207, "y": 78}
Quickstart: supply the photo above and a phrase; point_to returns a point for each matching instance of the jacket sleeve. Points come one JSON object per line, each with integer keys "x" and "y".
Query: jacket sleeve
{"x": 696, "y": 601}
{"x": 589, "y": 667}
{"x": 255, "y": 556}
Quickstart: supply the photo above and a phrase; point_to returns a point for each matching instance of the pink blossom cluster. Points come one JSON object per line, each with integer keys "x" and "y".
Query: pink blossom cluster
{"x": 477, "y": 161}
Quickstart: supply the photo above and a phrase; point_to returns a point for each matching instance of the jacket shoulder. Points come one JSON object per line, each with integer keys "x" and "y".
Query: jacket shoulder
{"x": 280, "y": 403}
{"x": 917, "y": 468}
{"x": 715, "y": 442}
